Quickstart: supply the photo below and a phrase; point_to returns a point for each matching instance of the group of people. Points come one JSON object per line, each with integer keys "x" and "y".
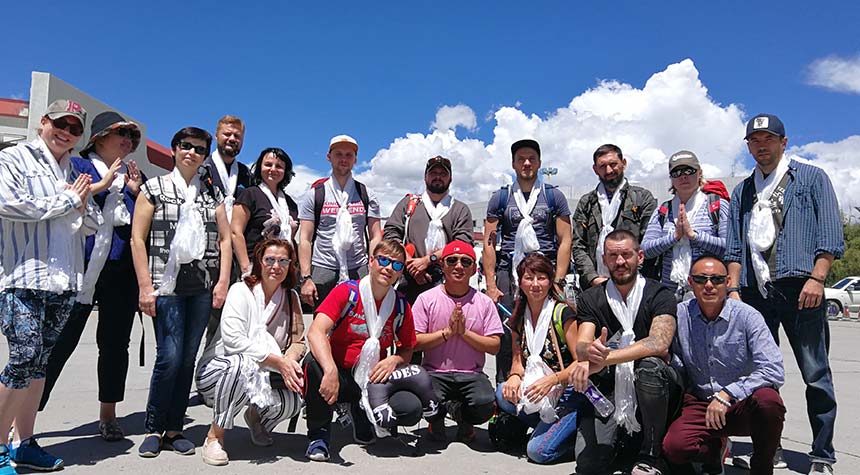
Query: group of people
{"x": 670, "y": 348}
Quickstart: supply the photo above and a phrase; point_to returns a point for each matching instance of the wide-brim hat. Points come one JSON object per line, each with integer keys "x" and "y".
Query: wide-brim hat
{"x": 106, "y": 123}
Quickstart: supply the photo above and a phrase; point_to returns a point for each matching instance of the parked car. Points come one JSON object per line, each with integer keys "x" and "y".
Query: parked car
{"x": 844, "y": 295}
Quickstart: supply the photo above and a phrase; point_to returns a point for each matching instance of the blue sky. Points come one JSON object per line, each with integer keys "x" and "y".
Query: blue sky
{"x": 299, "y": 73}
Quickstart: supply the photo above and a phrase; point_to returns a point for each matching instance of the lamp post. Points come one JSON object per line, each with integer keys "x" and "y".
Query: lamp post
{"x": 548, "y": 172}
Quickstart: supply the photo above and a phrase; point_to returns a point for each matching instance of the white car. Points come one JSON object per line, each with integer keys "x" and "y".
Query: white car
{"x": 843, "y": 296}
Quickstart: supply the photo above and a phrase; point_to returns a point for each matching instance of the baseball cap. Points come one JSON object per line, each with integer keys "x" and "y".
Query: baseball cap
{"x": 66, "y": 107}
{"x": 765, "y": 123}
{"x": 438, "y": 161}
{"x": 530, "y": 143}
{"x": 684, "y": 158}
{"x": 339, "y": 139}
{"x": 458, "y": 247}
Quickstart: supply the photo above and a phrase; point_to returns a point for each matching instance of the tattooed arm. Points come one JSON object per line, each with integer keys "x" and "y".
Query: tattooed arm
{"x": 655, "y": 344}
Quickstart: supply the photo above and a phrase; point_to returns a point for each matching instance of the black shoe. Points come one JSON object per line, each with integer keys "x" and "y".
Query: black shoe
{"x": 362, "y": 430}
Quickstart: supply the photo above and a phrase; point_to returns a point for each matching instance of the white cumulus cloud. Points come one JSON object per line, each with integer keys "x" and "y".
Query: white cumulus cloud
{"x": 451, "y": 117}
{"x": 840, "y": 161}
{"x": 836, "y": 73}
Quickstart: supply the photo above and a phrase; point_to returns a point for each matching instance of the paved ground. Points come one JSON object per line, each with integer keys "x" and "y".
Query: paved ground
{"x": 68, "y": 428}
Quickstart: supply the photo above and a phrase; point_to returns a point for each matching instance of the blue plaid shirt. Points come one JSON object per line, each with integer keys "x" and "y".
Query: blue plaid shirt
{"x": 811, "y": 224}
{"x": 735, "y": 352}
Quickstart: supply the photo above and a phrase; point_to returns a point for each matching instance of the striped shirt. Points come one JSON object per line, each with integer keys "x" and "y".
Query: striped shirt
{"x": 811, "y": 224}
{"x": 659, "y": 240}
{"x": 198, "y": 275}
{"x": 735, "y": 352}
{"x": 31, "y": 199}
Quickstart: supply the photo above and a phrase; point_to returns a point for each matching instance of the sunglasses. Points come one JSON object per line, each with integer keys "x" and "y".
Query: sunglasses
{"x": 385, "y": 261}
{"x": 71, "y": 127}
{"x": 686, "y": 171}
{"x": 198, "y": 149}
{"x": 452, "y": 261}
{"x": 127, "y": 132}
{"x": 714, "y": 279}
{"x": 270, "y": 261}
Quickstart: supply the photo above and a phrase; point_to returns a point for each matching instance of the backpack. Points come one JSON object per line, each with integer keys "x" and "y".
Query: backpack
{"x": 505, "y": 196}
{"x": 411, "y": 205}
{"x": 319, "y": 199}
{"x": 352, "y": 301}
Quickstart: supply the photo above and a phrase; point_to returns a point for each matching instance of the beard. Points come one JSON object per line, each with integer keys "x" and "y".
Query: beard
{"x": 229, "y": 150}
{"x": 438, "y": 189}
{"x": 623, "y": 280}
{"x": 613, "y": 183}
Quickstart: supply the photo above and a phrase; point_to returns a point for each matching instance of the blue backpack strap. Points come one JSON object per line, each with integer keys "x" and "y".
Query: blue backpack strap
{"x": 504, "y": 197}
{"x": 549, "y": 195}
{"x": 352, "y": 301}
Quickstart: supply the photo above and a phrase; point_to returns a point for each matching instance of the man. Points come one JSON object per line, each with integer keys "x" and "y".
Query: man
{"x": 45, "y": 213}
{"x": 541, "y": 210}
{"x": 425, "y": 223}
{"x": 734, "y": 369}
{"x": 614, "y": 204}
{"x": 784, "y": 233}
{"x": 637, "y": 316}
{"x": 339, "y": 222}
{"x": 456, "y": 327}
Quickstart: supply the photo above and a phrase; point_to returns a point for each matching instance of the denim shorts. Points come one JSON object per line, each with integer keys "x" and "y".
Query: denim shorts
{"x": 32, "y": 321}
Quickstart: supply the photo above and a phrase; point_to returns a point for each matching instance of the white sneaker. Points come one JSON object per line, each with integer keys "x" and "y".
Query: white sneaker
{"x": 259, "y": 436}
{"x": 821, "y": 468}
{"x": 213, "y": 453}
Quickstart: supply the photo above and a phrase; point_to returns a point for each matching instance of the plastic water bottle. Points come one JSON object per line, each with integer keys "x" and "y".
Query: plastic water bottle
{"x": 603, "y": 406}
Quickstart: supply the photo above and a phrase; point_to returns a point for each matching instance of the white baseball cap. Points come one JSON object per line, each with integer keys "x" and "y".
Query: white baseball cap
{"x": 339, "y": 139}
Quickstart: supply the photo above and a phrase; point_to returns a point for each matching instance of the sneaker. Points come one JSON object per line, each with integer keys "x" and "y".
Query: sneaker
{"x": 821, "y": 468}
{"x": 6, "y": 467}
{"x": 465, "y": 433}
{"x": 179, "y": 444}
{"x": 30, "y": 455}
{"x": 743, "y": 461}
{"x": 645, "y": 468}
{"x": 318, "y": 451}
{"x": 436, "y": 431}
{"x": 362, "y": 430}
{"x": 150, "y": 447}
{"x": 259, "y": 436}
{"x": 213, "y": 453}
{"x": 111, "y": 431}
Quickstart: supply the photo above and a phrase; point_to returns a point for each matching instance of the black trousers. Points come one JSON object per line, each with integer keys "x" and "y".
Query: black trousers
{"x": 117, "y": 296}
{"x": 472, "y": 392}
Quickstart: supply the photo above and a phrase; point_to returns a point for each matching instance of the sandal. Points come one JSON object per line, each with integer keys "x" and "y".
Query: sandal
{"x": 111, "y": 431}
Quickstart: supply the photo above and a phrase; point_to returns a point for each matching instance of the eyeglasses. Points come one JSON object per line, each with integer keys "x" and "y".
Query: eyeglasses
{"x": 130, "y": 133}
{"x": 685, "y": 171}
{"x": 71, "y": 127}
{"x": 714, "y": 279}
{"x": 198, "y": 149}
{"x": 282, "y": 261}
{"x": 452, "y": 261}
{"x": 384, "y": 261}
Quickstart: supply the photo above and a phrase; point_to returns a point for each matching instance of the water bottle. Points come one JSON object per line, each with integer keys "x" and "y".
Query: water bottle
{"x": 603, "y": 406}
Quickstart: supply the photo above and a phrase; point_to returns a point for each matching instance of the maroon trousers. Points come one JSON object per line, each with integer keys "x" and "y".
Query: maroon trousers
{"x": 760, "y": 416}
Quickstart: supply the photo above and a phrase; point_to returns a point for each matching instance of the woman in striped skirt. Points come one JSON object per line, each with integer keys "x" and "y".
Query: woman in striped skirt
{"x": 255, "y": 360}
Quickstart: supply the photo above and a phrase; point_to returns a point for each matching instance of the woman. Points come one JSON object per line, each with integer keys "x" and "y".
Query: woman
{"x": 693, "y": 223}
{"x": 264, "y": 210}
{"x": 182, "y": 274}
{"x": 543, "y": 327}
{"x": 109, "y": 278}
{"x": 261, "y": 332}
{"x": 347, "y": 362}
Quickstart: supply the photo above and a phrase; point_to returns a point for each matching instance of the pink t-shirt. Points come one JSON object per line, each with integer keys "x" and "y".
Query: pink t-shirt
{"x": 432, "y": 312}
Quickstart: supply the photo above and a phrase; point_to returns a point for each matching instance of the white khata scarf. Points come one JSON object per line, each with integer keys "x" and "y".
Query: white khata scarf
{"x": 369, "y": 355}
{"x": 189, "y": 239}
{"x": 525, "y": 240}
{"x": 682, "y": 253}
{"x": 761, "y": 233}
{"x": 280, "y": 214}
{"x": 255, "y": 378}
{"x": 115, "y": 214}
{"x": 344, "y": 234}
{"x": 228, "y": 179}
{"x": 536, "y": 368}
{"x": 625, "y": 313}
{"x": 435, "y": 239}
{"x": 608, "y": 212}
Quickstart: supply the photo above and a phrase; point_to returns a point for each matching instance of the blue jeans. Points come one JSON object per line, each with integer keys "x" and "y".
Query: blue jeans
{"x": 179, "y": 325}
{"x": 808, "y": 334}
{"x": 549, "y": 442}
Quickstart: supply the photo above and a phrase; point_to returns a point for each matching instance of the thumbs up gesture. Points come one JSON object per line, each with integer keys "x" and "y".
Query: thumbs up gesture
{"x": 598, "y": 352}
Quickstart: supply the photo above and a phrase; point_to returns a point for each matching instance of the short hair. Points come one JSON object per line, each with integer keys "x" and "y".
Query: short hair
{"x": 257, "y": 177}
{"x": 621, "y": 235}
{"x": 230, "y": 120}
{"x": 194, "y": 133}
{"x": 256, "y": 275}
{"x": 708, "y": 255}
{"x": 607, "y": 149}
{"x": 391, "y": 248}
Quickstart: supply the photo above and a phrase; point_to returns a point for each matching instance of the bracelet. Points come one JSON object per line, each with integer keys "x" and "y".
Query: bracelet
{"x": 733, "y": 289}
{"x": 722, "y": 401}
{"x": 820, "y": 281}
{"x": 443, "y": 335}
{"x": 515, "y": 374}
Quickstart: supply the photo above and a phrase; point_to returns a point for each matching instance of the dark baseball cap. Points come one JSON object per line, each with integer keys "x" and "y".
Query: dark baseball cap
{"x": 765, "y": 123}
{"x": 438, "y": 161}
{"x": 684, "y": 158}
{"x": 530, "y": 143}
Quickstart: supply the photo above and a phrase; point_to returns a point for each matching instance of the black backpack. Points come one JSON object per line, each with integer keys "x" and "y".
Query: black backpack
{"x": 319, "y": 199}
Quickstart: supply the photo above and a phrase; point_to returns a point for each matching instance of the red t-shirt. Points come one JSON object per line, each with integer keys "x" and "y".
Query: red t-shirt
{"x": 348, "y": 338}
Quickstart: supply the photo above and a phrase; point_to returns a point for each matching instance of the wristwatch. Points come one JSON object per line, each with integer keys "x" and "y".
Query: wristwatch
{"x": 733, "y": 289}
{"x": 434, "y": 258}
{"x": 304, "y": 279}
